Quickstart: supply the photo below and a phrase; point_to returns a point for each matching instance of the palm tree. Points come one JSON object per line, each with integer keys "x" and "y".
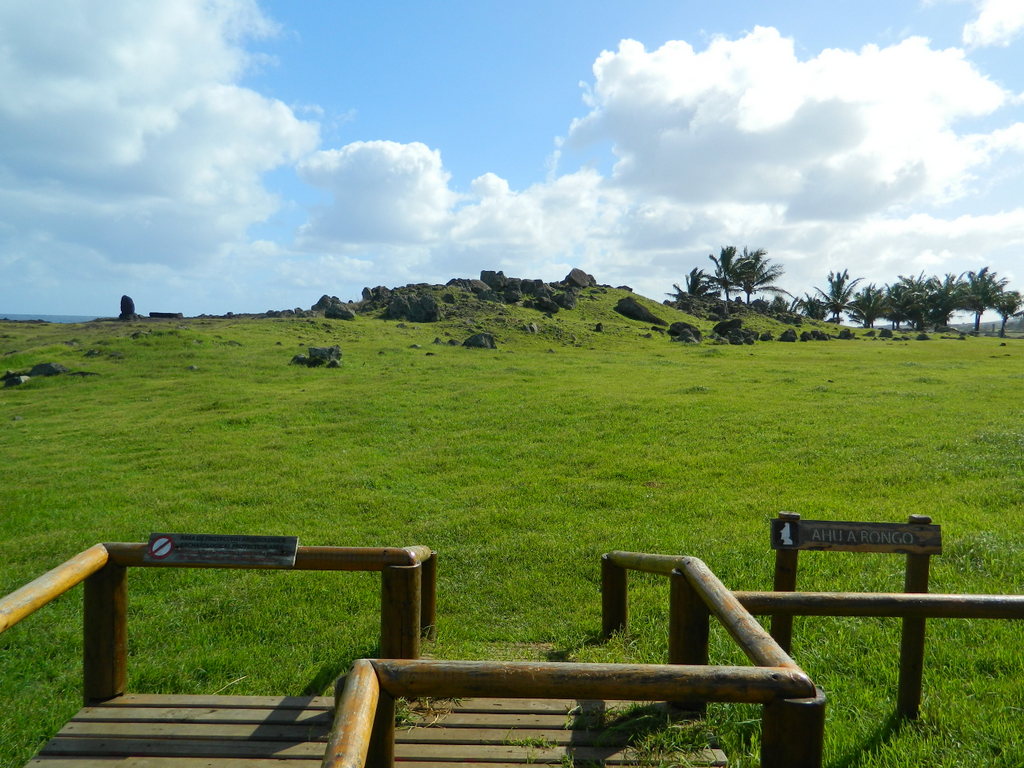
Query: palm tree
{"x": 908, "y": 300}
{"x": 698, "y": 283}
{"x": 868, "y": 304}
{"x": 811, "y": 306}
{"x": 756, "y": 273}
{"x": 725, "y": 276}
{"x": 840, "y": 291}
{"x": 981, "y": 289}
{"x": 945, "y": 297}
{"x": 1008, "y": 304}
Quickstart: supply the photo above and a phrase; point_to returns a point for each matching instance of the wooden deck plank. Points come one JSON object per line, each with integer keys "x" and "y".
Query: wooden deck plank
{"x": 221, "y": 702}
{"x": 153, "y": 731}
{"x": 318, "y": 732}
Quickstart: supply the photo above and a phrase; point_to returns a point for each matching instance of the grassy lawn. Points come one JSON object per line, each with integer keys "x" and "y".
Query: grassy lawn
{"x": 520, "y": 467}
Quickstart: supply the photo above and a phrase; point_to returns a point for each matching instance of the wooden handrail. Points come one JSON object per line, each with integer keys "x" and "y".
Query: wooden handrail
{"x": 364, "y": 722}
{"x": 34, "y": 595}
{"x": 648, "y": 563}
{"x": 893, "y": 604}
{"x": 638, "y": 682}
{"x": 306, "y": 558}
{"x": 353, "y": 718}
{"x": 756, "y": 643}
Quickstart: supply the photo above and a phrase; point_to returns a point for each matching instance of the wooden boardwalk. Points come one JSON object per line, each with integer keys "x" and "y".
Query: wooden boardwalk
{"x": 167, "y": 731}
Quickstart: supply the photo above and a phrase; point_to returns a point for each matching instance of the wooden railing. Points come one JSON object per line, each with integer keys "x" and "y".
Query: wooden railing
{"x": 794, "y": 708}
{"x": 363, "y": 733}
{"x": 688, "y": 627}
{"x": 408, "y": 600}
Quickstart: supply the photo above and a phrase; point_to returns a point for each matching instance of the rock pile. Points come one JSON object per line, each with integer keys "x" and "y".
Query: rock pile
{"x": 328, "y": 357}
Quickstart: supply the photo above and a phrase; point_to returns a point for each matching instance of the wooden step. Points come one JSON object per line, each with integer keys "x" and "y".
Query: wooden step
{"x": 154, "y": 731}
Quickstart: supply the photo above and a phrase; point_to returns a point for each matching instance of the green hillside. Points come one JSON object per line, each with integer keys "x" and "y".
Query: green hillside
{"x": 520, "y": 465}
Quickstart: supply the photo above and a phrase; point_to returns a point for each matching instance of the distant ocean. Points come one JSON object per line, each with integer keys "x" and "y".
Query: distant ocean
{"x": 51, "y": 318}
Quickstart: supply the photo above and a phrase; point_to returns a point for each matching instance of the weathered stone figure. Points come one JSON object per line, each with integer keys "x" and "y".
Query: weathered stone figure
{"x": 127, "y": 309}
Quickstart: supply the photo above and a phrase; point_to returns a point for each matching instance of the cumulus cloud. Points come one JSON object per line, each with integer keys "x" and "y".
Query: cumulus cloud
{"x": 840, "y": 135}
{"x": 998, "y": 23}
{"x": 381, "y": 192}
{"x": 126, "y": 133}
{"x": 817, "y": 159}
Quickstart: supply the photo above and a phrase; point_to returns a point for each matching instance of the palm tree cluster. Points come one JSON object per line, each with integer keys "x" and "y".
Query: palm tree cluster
{"x": 749, "y": 272}
{"x": 917, "y": 301}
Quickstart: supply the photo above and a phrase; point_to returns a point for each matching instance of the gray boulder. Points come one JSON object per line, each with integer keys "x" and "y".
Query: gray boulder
{"x": 580, "y": 279}
{"x": 634, "y": 310}
{"x": 16, "y": 380}
{"x": 726, "y": 327}
{"x": 496, "y": 281}
{"x": 679, "y": 328}
{"x": 416, "y": 308}
{"x": 329, "y": 357}
{"x": 47, "y": 369}
{"x": 480, "y": 341}
{"x": 788, "y": 335}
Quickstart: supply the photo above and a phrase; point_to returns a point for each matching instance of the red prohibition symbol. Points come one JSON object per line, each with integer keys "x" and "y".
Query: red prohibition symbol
{"x": 161, "y": 547}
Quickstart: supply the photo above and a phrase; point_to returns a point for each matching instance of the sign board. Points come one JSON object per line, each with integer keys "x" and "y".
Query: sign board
{"x": 904, "y": 538}
{"x": 212, "y": 550}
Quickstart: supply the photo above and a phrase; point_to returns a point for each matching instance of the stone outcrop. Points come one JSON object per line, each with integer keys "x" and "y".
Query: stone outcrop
{"x": 633, "y": 309}
{"x": 328, "y": 357}
{"x": 480, "y": 341}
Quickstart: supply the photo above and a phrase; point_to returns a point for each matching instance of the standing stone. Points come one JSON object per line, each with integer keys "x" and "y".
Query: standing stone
{"x": 127, "y": 309}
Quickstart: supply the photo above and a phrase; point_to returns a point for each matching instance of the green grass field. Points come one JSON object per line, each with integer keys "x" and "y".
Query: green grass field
{"x": 520, "y": 467}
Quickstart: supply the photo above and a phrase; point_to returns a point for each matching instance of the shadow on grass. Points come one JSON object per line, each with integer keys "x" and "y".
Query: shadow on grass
{"x": 888, "y": 730}
{"x": 567, "y": 654}
{"x": 322, "y": 683}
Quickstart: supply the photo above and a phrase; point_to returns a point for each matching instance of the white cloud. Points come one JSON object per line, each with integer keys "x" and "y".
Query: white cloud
{"x": 840, "y": 135}
{"x": 125, "y": 130}
{"x": 998, "y": 23}
{"x": 821, "y": 161}
{"x": 382, "y": 192}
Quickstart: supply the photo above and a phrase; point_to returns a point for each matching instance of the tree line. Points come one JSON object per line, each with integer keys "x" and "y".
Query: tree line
{"x": 918, "y": 301}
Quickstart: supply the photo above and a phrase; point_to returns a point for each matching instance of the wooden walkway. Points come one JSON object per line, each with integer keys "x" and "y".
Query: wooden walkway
{"x": 151, "y": 731}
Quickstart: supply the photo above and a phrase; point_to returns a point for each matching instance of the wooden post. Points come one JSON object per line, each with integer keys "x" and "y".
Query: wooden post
{"x": 793, "y": 732}
{"x": 614, "y": 605}
{"x": 688, "y": 629}
{"x": 105, "y": 640}
{"x": 382, "y": 738}
{"x": 400, "y": 603}
{"x": 785, "y": 581}
{"x": 912, "y": 637}
{"x": 428, "y": 602}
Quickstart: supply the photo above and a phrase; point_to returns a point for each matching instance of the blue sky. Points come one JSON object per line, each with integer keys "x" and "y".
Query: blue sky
{"x": 228, "y": 155}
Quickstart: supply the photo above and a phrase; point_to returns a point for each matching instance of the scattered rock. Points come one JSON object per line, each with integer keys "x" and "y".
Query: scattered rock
{"x": 580, "y": 279}
{"x": 329, "y": 357}
{"x": 922, "y": 337}
{"x": 726, "y": 327}
{"x": 765, "y": 336}
{"x": 885, "y": 333}
{"x": 846, "y": 334}
{"x": 788, "y": 335}
{"x": 16, "y": 380}
{"x": 531, "y": 328}
{"x": 416, "y": 308}
{"x": 634, "y": 310}
{"x": 192, "y": 368}
{"x": 544, "y": 303}
{"x": 47, "y": 369}
{"x": 680, "y": 328}
{"x": 599, "y": 328}
{"x": 480, "y": 341}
